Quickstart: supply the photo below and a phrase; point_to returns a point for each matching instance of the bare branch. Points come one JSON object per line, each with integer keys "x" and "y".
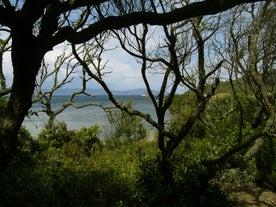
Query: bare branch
{"x": 109, "y": 93}
{"x": 117, "y": 22}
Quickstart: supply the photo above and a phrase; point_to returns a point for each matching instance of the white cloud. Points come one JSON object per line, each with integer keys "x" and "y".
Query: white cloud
{"x": 125, "y": 70}
{"x": 51, "y": 56}
{"x": 50, "y": 60}
{"x": 7, "y": 68}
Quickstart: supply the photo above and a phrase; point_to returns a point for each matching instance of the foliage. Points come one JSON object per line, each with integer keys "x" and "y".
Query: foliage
{"x": 266, "y": 164}
{"x": 227, "y": 121}
{"x": 220, "y": 125}
{"x": 89, "y": 138}
{"x": 73, "y": 167}
{"x": 56, "y": 135}
{"x": 3, "y": 104}
{"x": 124, "y": 127}
{"x": 66, "y": 175}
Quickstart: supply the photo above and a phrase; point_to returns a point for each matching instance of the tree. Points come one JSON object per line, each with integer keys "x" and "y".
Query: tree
{"x": 37, "y": 26}
{"x": 62, "y": 74}
{"x": 174, "y": 65}
{"x": 179, "y": 48}
{"x": 170, "y": 58}
{"x": 248, "y": 55}
{"x": 124, "y": 128}
{"x": 252, "y": 56}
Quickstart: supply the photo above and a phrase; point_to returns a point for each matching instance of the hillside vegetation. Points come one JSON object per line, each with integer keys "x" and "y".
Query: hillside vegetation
{"x": 74, "y": 168}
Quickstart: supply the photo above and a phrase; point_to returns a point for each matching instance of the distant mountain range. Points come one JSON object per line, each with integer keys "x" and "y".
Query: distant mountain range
{"x": 99, "y": 91}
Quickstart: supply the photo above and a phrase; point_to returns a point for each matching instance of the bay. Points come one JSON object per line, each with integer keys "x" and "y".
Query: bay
{"x": 87, "y": 116}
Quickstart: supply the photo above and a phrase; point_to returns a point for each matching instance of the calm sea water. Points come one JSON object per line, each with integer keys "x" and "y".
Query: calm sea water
{"x": 91, "y": 115}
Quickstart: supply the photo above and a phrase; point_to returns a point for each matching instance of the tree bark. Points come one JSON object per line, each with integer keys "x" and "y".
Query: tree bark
{"x": 26, "y": 59}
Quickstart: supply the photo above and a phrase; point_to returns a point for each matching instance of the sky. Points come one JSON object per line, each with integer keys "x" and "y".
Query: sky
{"x": 125, "y": 71}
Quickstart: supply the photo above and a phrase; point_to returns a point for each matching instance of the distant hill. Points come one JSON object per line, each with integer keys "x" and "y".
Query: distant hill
{"x": 100, "y": 92}
{"x": 240, "y": 87}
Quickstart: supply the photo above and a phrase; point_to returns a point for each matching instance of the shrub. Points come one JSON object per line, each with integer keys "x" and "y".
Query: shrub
{"x": 124, "y": 127}
{"x": 88, "y": 138}
{"x": 3, "y": 104}
{"x": 266, "y": 164}
{"x": 56, "y": 135}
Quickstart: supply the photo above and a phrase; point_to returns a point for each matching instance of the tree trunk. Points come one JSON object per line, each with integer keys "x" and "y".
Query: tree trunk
{"x": 26, "y": 59}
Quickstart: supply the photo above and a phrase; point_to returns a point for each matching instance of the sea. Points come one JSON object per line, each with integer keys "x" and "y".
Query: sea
{"x": 86, "y": 116}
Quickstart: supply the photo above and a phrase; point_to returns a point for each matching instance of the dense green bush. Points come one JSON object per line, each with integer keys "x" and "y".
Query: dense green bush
{"x": 3, "y": 104}
{"x": 56, "y": 135}
{"x": 124, "y": 127}
{"x": 75, "y": 168}
{"x": 64, "y": 174}
{"x": 19, "y": 184}
{"x": 266, "y": 164}
{"x": 88, "y": 138}
{"x": 46, "y": 175}
{"x": 225, "y": 123}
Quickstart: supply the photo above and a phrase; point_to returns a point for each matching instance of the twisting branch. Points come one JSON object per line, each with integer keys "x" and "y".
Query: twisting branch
{"x": 63, "y": 63}
{"x": 231, "y": 152}
{"x": 242, "y": 59}
{"x": 98, "y": 78}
